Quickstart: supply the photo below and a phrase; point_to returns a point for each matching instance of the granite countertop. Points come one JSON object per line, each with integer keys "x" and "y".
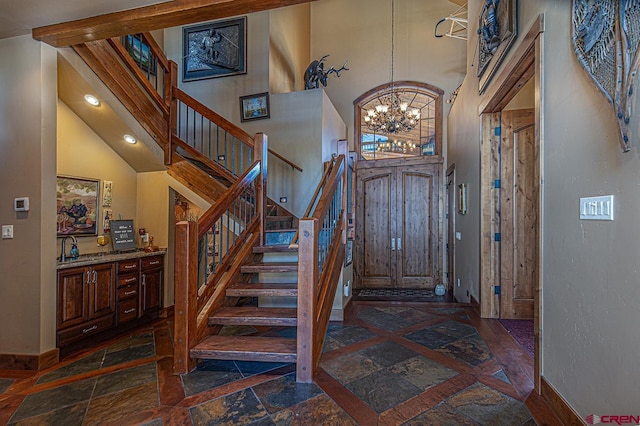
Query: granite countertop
{"x": 95, "y": 258}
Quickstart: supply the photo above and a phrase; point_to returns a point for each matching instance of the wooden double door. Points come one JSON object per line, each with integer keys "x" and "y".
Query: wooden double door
{"x": 397, "y": 224}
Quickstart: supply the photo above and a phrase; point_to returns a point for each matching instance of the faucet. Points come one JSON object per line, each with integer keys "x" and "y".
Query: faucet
{"x": 63, "y": 255}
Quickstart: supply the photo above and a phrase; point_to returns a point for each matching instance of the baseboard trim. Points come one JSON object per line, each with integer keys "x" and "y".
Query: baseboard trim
{"x": 559, "y": 405}
{"x": 29, "y": 362}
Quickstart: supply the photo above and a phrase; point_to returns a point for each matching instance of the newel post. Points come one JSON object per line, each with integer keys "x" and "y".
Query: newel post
{"x": 260, "y": 153}
{"x": 307, "y": 297}
{"x": 186, "y": 294}
{"x": 171, "y": 81}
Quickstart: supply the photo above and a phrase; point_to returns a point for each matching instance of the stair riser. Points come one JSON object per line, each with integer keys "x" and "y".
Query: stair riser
{"x": 267, "y": 322}
{"x": 242, "y": 356}
{"x": 267, "y": 269}
{"x": 262, "y": 293}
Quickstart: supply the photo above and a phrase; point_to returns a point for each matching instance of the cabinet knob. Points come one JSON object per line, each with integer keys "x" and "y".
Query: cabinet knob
{"x": 144, "y": 279}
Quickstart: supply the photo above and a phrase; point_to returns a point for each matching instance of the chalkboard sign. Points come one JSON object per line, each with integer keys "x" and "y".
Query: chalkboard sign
{"x": 123, "y": 235}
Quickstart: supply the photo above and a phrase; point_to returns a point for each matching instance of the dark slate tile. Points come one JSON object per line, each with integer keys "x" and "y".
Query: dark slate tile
{"x": 125, "y": 379}
{"x": 54, "y": 399}
{"x": 350, "y": 334}
{"x": 500, "y": 375}
{"x": 422, "y": 372}
{"x": 331, "y": 344}
{"x": 132, "y": 341}
{"x": 383, "y": 390}
{"x": 472, "y": 350}
{"x": 430, "y": 338}
{"x": 129, "y": 354}
{"x": 118, "y": 406}
{"x": 454, "y": 328}
{"x": 448, "y": 311}
{"x": 89, "y": 363}
{"x": 284, "y": 392}
{"x": 238, "y": 408}
{"x": 487, "y": 406}
{"x": 383, "y": 320}
{"x": 320, "y": 410}
{"x": 350, "y": 367}
{"x": 441, "y": 415}
{"x": 388, "y": 353}
{"x": 210, "y": 374}
{"x": 5, "y": 384}
{"x": 410, "y": 314}
{"x": 72, "y": 415}
{"x": 251, "y": 368}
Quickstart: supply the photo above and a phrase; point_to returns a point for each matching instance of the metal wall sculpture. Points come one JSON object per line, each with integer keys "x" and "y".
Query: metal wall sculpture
{"x": 315, "y": 74}
{"x": 606, "y": 35}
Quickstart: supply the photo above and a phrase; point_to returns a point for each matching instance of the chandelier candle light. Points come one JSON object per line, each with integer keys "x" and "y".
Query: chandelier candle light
{"x": 392, "y": 114}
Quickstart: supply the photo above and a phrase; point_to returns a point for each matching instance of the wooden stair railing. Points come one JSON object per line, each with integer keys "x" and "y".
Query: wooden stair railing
{"x": 321, "y": 251}
{"x": 204, "y": 269}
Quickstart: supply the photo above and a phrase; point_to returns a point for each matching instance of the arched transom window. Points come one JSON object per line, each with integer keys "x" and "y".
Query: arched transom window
{"x": 401, "y": 119}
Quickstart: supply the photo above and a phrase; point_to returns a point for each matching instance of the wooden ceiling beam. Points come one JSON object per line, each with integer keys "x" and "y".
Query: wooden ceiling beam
{"x": 149, "y": 18}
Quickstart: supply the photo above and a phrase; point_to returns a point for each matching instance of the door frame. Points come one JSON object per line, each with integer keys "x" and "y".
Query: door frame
{"x": 525, "y": 63}
{"x": 450, "y": 216}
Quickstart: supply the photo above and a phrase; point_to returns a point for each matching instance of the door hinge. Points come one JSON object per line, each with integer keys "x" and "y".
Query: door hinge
{"x": 496, "y": 290}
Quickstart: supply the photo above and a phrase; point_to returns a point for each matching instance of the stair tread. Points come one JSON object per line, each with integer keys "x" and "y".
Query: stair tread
{"x": 281, "y": 230}
{"x": 276, "y": 218}
{"x": 251, "y": 315}
{"x": 254, "y": 267}
{"x": 262, "y": 289}
{"x": 275, "y": 248}
{"x": 246, "y": 348}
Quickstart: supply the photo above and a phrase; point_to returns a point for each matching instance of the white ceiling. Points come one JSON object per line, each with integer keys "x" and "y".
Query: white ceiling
{"x": 20, "y": 17}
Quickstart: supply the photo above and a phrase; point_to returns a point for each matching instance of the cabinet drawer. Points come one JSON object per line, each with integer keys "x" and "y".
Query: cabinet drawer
{"x": 128, "y": 292}
{"x": 82, "y": 331}
{"x": 128, "y": 265}
{"x": 152, "y": 262}
{"x": 127, "y": 310}
{"x": 128, "y": 279}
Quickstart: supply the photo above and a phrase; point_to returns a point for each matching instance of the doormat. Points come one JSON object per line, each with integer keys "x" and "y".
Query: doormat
{"x": 400, "y": 294}
{"x": 522, "y": 332}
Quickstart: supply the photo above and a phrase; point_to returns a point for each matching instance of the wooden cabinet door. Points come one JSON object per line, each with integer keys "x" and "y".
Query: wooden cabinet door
{"x": 375, "y": 260}
{"x": 102, "y": 299}
{"x": 151, "y": 285}
{"x": 416, "y": 233}
{"x": 73, "y": 297}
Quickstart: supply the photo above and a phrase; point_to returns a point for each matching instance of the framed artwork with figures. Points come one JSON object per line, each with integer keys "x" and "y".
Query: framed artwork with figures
{"x": 77, "y": 206}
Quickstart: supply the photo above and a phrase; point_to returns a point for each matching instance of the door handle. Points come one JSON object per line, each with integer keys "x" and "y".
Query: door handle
{"x": 393, "y": 244}
{"x": 95, "y": 277}
{"x": 399, "y": 243}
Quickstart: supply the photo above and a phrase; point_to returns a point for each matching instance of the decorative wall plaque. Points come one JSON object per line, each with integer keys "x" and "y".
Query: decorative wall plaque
{"x": 606, "y": 35}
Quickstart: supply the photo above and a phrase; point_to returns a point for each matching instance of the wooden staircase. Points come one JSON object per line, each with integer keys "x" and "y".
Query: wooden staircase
{"x": 256, "y": 347}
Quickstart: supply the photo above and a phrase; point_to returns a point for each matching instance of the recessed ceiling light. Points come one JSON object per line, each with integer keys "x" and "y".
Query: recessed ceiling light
{"x": 92, "y": 100}
{"x": 129, "y": 139}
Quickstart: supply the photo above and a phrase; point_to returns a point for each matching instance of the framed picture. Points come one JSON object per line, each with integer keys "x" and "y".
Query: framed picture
{"x": 77, "y": 206}
{"x": 140, "y": 52}
{"x": 254, "y": 107}
{"x": 498, "y": 29}
{"x": 106, "y": 193}
{"x": 462, "y": 198}
{"x": 216, "y": 49}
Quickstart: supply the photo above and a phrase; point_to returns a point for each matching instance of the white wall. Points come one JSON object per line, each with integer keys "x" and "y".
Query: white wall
{"x": 28, "y": 79}
{"x": 288, "y": 47}
{"x": 590, "y": 274}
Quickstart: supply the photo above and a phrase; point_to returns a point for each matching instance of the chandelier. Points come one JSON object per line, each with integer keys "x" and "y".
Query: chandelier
{"x": 391, "y": 114}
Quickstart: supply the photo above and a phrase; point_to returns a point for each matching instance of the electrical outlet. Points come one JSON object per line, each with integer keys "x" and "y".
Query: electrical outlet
{"x": 458, "y": 281}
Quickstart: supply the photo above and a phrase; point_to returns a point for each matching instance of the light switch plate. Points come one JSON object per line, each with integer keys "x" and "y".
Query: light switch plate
{"x": 596, "y": 208}
{"x": 458, "y": 236}
{"x": 7, "y": 231}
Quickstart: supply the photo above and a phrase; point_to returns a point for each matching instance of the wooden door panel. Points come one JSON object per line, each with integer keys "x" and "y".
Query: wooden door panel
{"x": 72, "y": 297}
{"x": 373, "y": 243}
{"x": 519, "y": 215}
{"x": 415, "y": 205}
{"x": 102, "y": 290}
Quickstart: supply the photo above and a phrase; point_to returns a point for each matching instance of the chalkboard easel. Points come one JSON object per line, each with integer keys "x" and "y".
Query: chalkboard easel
{"x": 123, "y": 235}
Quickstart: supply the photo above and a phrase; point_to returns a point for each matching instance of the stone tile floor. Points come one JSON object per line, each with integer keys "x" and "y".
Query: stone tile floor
{"x": 387, "y": 364}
